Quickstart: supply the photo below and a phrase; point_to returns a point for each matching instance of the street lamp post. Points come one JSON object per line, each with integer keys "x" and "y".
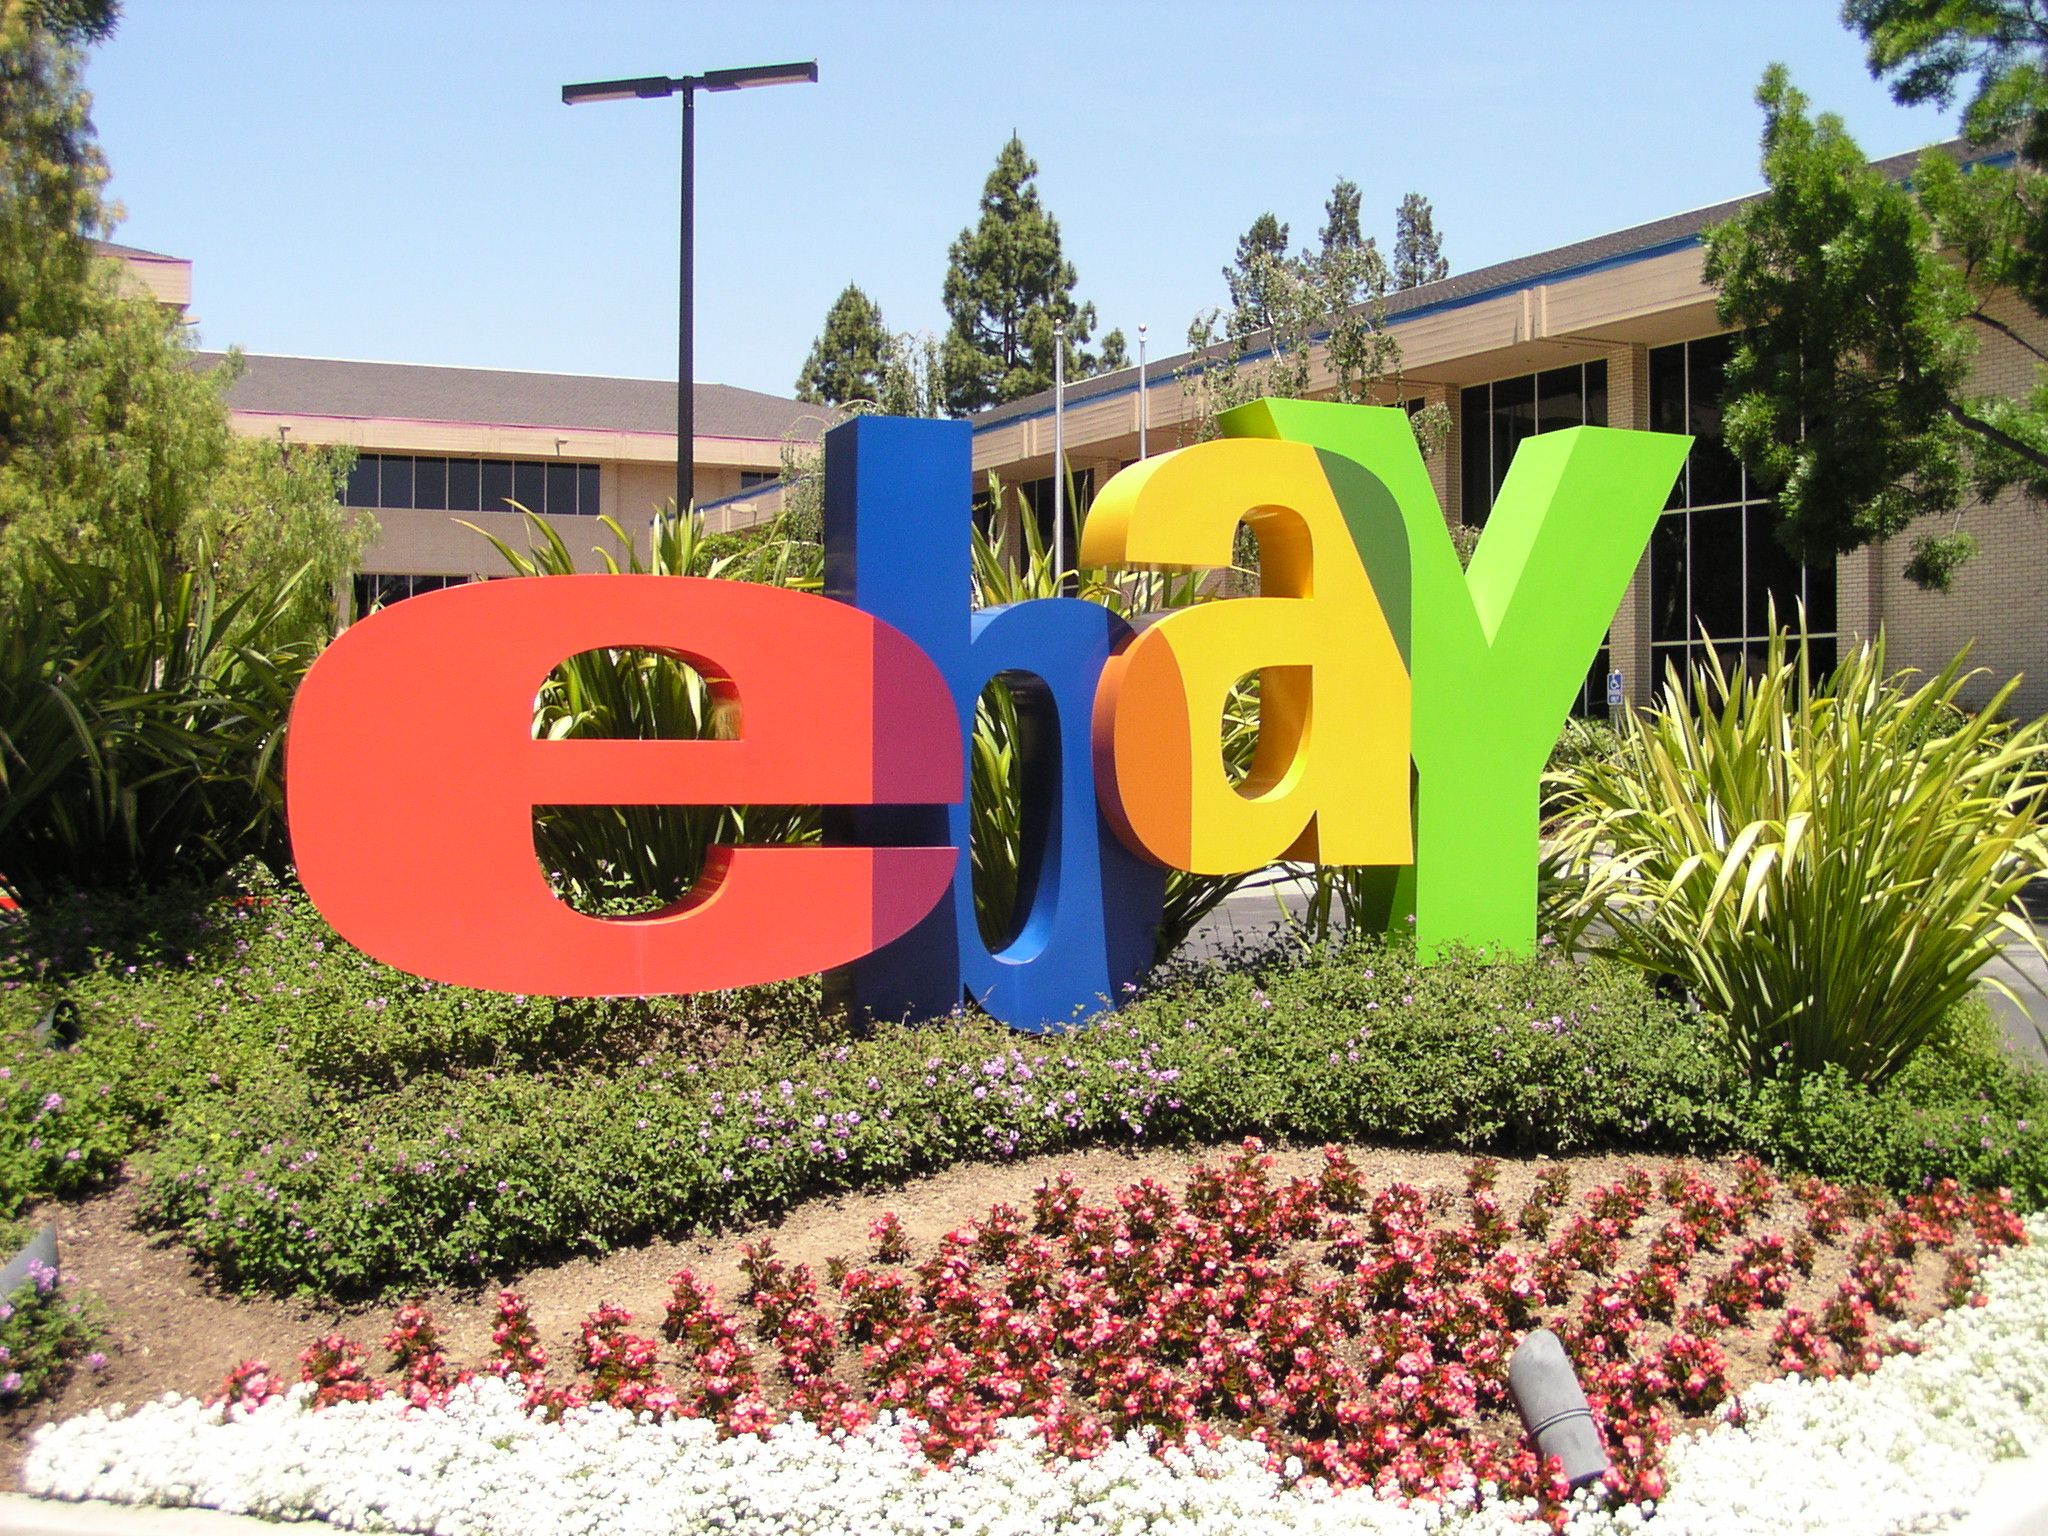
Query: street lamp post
{"x": 651, "y": 87}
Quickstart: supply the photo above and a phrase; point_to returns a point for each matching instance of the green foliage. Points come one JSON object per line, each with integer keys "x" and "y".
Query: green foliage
{"x": 1313, "y": 324}
{"x": 43, "y": 1330}
{"x": 1418, "y": 248}
{"x": 649, "y": 856}
{"x": 1929, "y": 49}
{"x": 1827, "y": 865}
{"x": 142, "y": 709}
{"x": 846, "y": 360}
{"x": 1260, "y": 249}
{"x": 1007, "y": 285}
{"x": 108, "y": 432}
{"x": 308, "y": 1120}
{"x": 1863, "y": 300}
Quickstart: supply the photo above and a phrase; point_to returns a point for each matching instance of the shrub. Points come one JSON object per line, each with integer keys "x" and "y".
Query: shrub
{"x": 142, "y": 708}
{"x": 309, "y": 1120}
{"x": 1827, "y": 865}
{"x": 44, "y": 1327}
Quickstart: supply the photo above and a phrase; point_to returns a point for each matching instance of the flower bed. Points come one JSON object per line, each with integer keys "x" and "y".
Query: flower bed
{"x": 1311, "y": 1354}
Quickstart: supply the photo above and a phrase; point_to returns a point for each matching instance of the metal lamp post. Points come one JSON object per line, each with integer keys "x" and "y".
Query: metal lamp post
{"x": 647, "y": 88}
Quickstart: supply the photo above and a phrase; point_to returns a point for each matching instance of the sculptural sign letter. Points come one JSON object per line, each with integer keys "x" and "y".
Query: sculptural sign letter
{"x": 1406, "y": 709}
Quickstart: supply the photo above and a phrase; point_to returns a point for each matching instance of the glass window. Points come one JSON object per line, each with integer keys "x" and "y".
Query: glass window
{"x": 362, "y": 482}
{"x": 463, "y": 485}
{"x": 1514, "y": 418}
{"x": 1475, "y": 478}
{"x": 1715, "y": 561}
{"x": 1716, "y": 474}
{"x": 1668, "y": 598}
{"x": 394, "y": 482}
{"x": 562, "y": 488}
{"x": 497, "y": 485}
{"x": 1596, "y": 395}
{"x": 530, "y": 485}
{"x": 586, "y": 490}
{"x": 1774, "y": 576}
{"x": 430, "y": 484}
{"x": 1560, "y": 398}
{"x": 1716, "y": 570}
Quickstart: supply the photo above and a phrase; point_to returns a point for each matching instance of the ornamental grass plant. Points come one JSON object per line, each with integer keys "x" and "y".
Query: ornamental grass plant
{"x": 142, "y": 708}
{"x": 1826, "y": 864}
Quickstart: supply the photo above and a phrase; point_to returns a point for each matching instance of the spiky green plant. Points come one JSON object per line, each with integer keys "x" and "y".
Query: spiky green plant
{"x": 1828, "y": 864}
{"x": 141, "y": 713}
{"x": 605, "y": 857}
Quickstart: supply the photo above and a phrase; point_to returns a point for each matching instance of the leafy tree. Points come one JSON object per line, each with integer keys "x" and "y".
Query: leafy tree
{"x": 1250, "y": 273}
{"x": 108, "y": 432}
{"x": 1007, "y": 287}
{"x": 1418, "y": 248}
{"x": 846, "y": 360}
{"x": 1323, "y": 315}
{"x": 1862, "y": 302}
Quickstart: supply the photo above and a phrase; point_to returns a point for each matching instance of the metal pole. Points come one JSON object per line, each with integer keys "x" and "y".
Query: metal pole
{"x": 1144, "y": 406}
{"x": 1059, "y": 452}
{"x": 686, "y": 403}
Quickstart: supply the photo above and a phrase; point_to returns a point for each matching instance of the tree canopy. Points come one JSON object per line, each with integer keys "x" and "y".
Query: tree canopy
{"x": 108, "y": 430}
{"x": 1863, "y": 302}
{"x": 1007, "y": 287}
{"x": 1418, "y": 248}
{"x": 847, "y": 359}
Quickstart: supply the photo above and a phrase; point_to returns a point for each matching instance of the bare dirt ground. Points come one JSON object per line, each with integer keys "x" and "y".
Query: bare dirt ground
{"x": 171, "y": 1330}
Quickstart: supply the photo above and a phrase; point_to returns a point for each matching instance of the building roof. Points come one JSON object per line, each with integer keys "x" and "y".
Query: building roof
{"x": 1623, "y": 245}
{"x": 321, "y": 386}
{"x": 110, "y": 248}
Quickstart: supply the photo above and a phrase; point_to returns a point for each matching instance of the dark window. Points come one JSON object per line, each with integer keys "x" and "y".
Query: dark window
{"x": 464, "y": 484}
{"x": 530, "y": 486}
{"x": 430, "y": 484}
{"x": 1476, "y": 457}
{"x": 394, "y": 482}
{"x": 749, "y": 478}
{"x": 1715, "y": 559}
{"x": 381, "y": 591}
{"x": 1560, "y": 399}
{"x": 562, "y": 488}
{"x": 1596, "y": 393}
{"x": 362, "y": 482}
{"x": 497, "y": 485}
{"x": 586, "y": 490}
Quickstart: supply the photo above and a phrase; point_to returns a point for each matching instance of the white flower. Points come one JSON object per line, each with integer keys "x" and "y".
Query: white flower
{"x": 1904, "y": 1448}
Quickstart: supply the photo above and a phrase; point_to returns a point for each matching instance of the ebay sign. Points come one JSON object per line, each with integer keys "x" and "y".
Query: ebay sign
{"x": 1406, "y": 709}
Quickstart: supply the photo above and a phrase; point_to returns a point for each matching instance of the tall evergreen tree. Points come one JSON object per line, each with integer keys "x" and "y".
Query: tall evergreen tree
{"x": 848, "y": 358}
{"x": 1418, "y": 248}
{"x": 1007, "y": 287}
{"x": 1340, "y": 217}
{"x": 1115, "y": 353}
{"x": 1251, "y": 275}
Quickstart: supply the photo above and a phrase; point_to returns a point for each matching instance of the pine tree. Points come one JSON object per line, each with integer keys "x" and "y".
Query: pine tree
{"x": 1115, "y": 353}
{"x": 849, "y": 357}
{"x": 1251, "y": 273}
{"x": 1006, "y": 288}
{"x": 1418, "y": 248}
{"x": 1340, "y": 217}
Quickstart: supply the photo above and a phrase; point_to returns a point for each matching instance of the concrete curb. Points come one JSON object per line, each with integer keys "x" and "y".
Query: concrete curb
{"x": 21, "y": 1515}
{"x": 2012, "y": 1502}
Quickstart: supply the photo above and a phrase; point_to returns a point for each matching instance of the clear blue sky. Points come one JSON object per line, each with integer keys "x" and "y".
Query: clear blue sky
{"x": 398, "y": 179}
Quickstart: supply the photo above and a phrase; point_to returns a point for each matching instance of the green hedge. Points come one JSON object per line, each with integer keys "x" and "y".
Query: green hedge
{"x": 310, "y": 1121}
